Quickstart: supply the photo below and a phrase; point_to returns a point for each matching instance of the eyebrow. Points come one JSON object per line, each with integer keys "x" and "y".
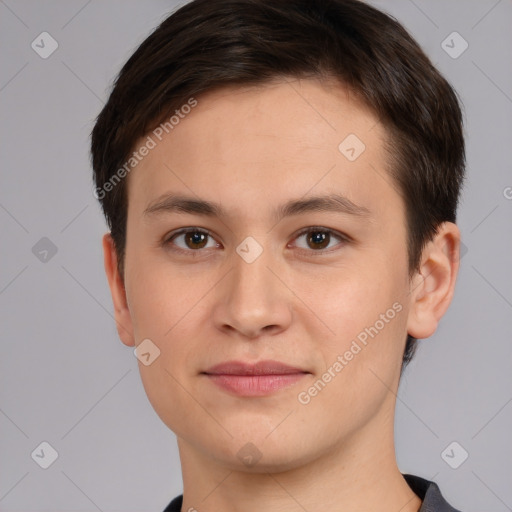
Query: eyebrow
{"x": 169, "y": 203}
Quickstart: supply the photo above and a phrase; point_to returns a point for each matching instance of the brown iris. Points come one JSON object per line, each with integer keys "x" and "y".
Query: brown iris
{"x": 319, "y": 239}
{"x": 197, "y": 239}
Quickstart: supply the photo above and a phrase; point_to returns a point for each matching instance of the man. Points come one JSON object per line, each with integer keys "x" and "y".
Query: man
{"x": 281, "y": 181}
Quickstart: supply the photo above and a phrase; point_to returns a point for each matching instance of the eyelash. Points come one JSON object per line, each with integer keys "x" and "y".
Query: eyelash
{"x": 344, "y": 239}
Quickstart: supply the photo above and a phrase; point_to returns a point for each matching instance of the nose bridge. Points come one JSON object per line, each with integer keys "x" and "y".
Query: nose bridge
{"x": 252, "y": 298}
{"x": 252, "y": 281}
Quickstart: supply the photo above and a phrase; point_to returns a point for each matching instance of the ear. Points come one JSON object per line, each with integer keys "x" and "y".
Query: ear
{"x": 115, "y": 281}
{"x": 433, "y": 285}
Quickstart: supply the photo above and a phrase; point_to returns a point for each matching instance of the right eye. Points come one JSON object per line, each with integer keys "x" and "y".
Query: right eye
{"x": 190, "y": 240}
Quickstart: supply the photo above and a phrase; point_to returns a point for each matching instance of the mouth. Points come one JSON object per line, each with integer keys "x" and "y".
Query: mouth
{"x": 259, "y": 379}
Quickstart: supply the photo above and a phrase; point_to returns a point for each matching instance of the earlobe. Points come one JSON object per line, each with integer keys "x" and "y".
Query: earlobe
{"x": 433, "y": 286}
{"x": 115, "y": 281}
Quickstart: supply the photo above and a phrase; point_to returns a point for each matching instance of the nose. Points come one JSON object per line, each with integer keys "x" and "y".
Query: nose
{"x": 252, "y": 300}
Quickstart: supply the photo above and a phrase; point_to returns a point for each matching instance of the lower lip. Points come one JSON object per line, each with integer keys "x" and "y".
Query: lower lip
{"x": 254, "y": 385}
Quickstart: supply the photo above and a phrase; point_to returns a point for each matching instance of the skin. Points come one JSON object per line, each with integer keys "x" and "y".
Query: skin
{"x": 252, "y": 149}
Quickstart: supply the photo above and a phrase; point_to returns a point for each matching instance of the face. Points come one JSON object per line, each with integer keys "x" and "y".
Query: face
{"x": 299, "y": 258}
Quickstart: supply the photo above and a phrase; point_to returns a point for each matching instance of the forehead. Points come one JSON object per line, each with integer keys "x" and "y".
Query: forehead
{"x": 299, "y": 110}
{"x": 287, "y": 137}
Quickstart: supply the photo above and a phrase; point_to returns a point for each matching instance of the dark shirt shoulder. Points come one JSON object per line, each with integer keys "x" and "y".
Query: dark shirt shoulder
{"x": 175, "y": 505}
{"x": 430, "y": 495}
{"x": 428, "y": 492}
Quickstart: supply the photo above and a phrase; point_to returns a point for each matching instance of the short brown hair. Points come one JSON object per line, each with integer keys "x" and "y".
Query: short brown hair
{"x": 208, "y": 44}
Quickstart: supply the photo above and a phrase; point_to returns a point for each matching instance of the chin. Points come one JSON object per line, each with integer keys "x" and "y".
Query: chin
{"x": 271, "y": 461}
{"x": 267, "y": 454}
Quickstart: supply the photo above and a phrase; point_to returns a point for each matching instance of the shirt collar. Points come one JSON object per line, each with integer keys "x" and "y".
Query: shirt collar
{"x": 430, "y": 495}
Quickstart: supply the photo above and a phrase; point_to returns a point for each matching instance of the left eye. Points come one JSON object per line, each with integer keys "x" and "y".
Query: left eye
{"x": 193, "y": 239}
{"x": 319, "y": 239}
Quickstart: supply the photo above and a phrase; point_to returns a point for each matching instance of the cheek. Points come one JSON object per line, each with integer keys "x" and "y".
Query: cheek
{"x": 164, "y": 308}
{"x": 348, "y": 299}
{"x": 160, "y": 295}
{"x": 364, "y": 307}
{"x": 172, "y": 307}
{"x": 360, "y": 361}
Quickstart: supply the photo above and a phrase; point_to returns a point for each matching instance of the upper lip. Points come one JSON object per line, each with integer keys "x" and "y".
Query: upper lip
{"x": 259, "y": 368}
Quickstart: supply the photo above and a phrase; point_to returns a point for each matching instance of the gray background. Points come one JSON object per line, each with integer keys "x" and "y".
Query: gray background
{"x": 66, "y": 378}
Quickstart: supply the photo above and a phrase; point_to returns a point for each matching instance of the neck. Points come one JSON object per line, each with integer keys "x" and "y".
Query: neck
{"x": 359, "y": 475}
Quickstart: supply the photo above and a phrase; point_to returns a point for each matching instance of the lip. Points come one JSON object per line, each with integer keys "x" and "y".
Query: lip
{"x": 254, "y": 379}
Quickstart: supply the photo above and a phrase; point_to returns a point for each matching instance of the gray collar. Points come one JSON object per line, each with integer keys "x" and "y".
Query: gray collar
{"x": 429, "y": 493}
